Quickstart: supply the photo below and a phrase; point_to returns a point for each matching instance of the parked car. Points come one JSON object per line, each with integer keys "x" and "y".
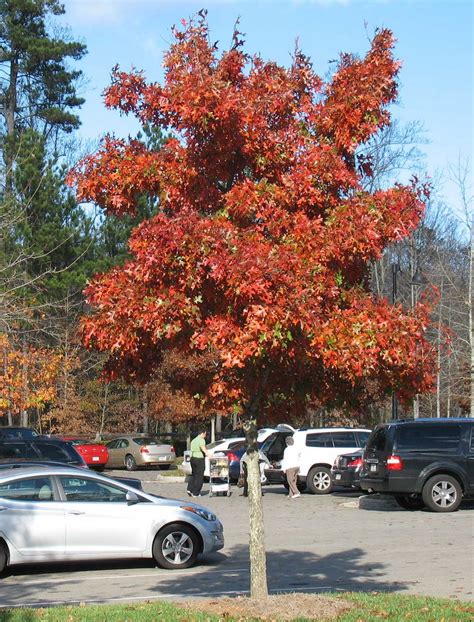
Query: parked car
{"x": 346, "y": 468}
{"x": 423, "y": 462}
{"x": 95, "y": 455}
{"x": 133, "y": 482}
{"x": 9, "y": 431}
{"x": 233, "y": 456}
{"x": 39, "y": 449}
{"x": 132, "y": 451}
{"x": 214, "y": 448}
{"x": 318, "y": 449}
{"x": 236, "y": 445}
{"x": 83, "y": 515}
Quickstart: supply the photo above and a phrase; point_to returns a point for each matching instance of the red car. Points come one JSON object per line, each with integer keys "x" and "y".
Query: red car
{"x": 95, "y": 454}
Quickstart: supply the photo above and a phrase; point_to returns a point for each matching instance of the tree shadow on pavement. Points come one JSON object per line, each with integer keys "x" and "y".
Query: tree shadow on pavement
{"x": 215, "y": 575}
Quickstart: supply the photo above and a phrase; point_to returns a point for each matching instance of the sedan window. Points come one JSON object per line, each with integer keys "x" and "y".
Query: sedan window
{"x": 17, "y": 450}
{"x": 145, "y": 441}
{"x": 91, "y": 491}
{"x": 54, "y": 452}
{"x": 33, "y": 489}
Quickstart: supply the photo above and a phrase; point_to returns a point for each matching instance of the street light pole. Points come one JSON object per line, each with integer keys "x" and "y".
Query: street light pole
{"x": 395, "y": 269}
{"x": 417, "y": 279}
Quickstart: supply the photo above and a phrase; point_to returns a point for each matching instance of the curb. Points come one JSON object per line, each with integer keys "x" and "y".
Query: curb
{"x": 170, "y": 479}
{"x": 378, "y": 501}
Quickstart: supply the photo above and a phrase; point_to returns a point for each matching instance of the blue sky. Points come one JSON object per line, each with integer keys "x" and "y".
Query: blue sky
{"x": 435, "y": 44}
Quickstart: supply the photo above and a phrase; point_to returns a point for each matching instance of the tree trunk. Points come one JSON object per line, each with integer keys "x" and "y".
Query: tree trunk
{"x": 258, "y": 561}
{"x": 104, "y": 410}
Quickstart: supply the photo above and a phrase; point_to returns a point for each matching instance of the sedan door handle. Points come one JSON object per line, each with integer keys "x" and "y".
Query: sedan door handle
{"x": 76, "y": 513}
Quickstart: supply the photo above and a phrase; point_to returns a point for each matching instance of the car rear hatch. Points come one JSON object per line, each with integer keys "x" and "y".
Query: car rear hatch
{"x": 375, "y": 454}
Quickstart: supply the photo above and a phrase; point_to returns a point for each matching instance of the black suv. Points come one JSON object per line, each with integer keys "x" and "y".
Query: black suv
{"x": 39, "y": 449}
{"x": 422, "y": 462}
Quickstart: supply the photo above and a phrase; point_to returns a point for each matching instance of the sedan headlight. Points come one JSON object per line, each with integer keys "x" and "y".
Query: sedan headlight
{"x": 200, "y": 512}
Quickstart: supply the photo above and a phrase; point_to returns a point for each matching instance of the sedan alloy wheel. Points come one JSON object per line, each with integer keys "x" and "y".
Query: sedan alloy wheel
{"x": 130, "y": 463}
{"x": 176, "y": 546}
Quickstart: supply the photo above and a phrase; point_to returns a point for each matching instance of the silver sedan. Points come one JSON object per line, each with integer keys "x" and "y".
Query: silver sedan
{"x": 61, "y": 513}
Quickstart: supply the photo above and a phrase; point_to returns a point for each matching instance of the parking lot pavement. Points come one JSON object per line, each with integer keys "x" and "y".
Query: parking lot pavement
{"x": 314, "y": 544}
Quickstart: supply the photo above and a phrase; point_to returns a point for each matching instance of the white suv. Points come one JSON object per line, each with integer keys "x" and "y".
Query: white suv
{"x": 317, "y": 448}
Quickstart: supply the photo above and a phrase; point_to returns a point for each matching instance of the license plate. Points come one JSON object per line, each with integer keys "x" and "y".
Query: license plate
{"x": 162, "y": 458}
{"x": 338, "y": 476}
{"x": 95, "y": 458}
{"x": 373, "y": 467}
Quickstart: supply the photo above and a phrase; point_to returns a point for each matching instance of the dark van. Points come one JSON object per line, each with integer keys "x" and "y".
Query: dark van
{"x": 422, "y": 462}
{"x": 39, "y": 449}
{"x": 9, "y": 431}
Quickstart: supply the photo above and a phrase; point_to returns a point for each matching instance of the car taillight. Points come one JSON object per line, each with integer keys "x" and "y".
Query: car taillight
{"x": 355, "y": 463}
{"x": 394, "y": 463}
{"x": 172, "y": 449}
{"x": 144, "y": 450}
{"x": 232, "y": 457}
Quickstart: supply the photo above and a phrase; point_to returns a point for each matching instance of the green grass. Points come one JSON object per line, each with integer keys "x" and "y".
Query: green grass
{"x": 395, "y": 608}
{"x": 367, "y": 608}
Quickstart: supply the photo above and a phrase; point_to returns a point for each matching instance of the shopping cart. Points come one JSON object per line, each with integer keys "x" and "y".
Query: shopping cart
{"x": 219, "y": 479}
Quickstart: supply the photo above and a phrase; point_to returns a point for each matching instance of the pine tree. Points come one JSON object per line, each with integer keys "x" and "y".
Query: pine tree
{"x": 38, "y": 90}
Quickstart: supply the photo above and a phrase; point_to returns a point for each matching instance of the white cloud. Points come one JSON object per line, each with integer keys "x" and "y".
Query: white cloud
{"x": 95, "y": 11}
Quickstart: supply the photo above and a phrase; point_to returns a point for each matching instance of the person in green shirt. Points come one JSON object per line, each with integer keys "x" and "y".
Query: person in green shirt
{"x": 198, "y": 463}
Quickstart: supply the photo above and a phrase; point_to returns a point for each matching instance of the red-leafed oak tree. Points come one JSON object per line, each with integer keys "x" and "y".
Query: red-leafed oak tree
{"x": 260, "y": 251}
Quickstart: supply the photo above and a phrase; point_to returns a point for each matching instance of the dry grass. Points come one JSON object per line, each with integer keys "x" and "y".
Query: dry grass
{"x": 276, "y": 607}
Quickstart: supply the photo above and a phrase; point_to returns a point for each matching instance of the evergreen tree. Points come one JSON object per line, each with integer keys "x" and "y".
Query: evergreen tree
{"x": 55, "y": 234}
{"x": 37, "y": 90}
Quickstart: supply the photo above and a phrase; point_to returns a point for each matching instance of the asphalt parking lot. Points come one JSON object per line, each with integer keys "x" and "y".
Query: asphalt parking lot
{"x": 314, "y": 544}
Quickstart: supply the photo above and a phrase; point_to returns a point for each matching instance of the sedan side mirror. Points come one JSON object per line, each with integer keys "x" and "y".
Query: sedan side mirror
{"x": 132, "y": 498}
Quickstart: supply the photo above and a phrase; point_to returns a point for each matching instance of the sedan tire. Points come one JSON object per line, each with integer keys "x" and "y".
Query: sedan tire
{"x": 130, "y": 463}
{"x": 175, "y": 547}
{"x": 3, "y": 557}
{"x": 319, "y": 481}
{"x": 442, "y": 493}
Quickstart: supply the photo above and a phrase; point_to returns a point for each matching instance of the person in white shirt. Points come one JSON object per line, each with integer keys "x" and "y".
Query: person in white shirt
{"x": 290, "y": 465}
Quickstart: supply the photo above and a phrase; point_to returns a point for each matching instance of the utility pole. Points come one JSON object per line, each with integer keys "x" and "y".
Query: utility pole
{"x": 395, "y": 269}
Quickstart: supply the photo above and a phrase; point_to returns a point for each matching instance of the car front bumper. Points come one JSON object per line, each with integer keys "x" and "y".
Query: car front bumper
{"x": 213, "y": 539}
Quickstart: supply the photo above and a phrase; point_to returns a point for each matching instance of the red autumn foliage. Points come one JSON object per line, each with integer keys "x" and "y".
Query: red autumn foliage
{"x": 260, "y": 251}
